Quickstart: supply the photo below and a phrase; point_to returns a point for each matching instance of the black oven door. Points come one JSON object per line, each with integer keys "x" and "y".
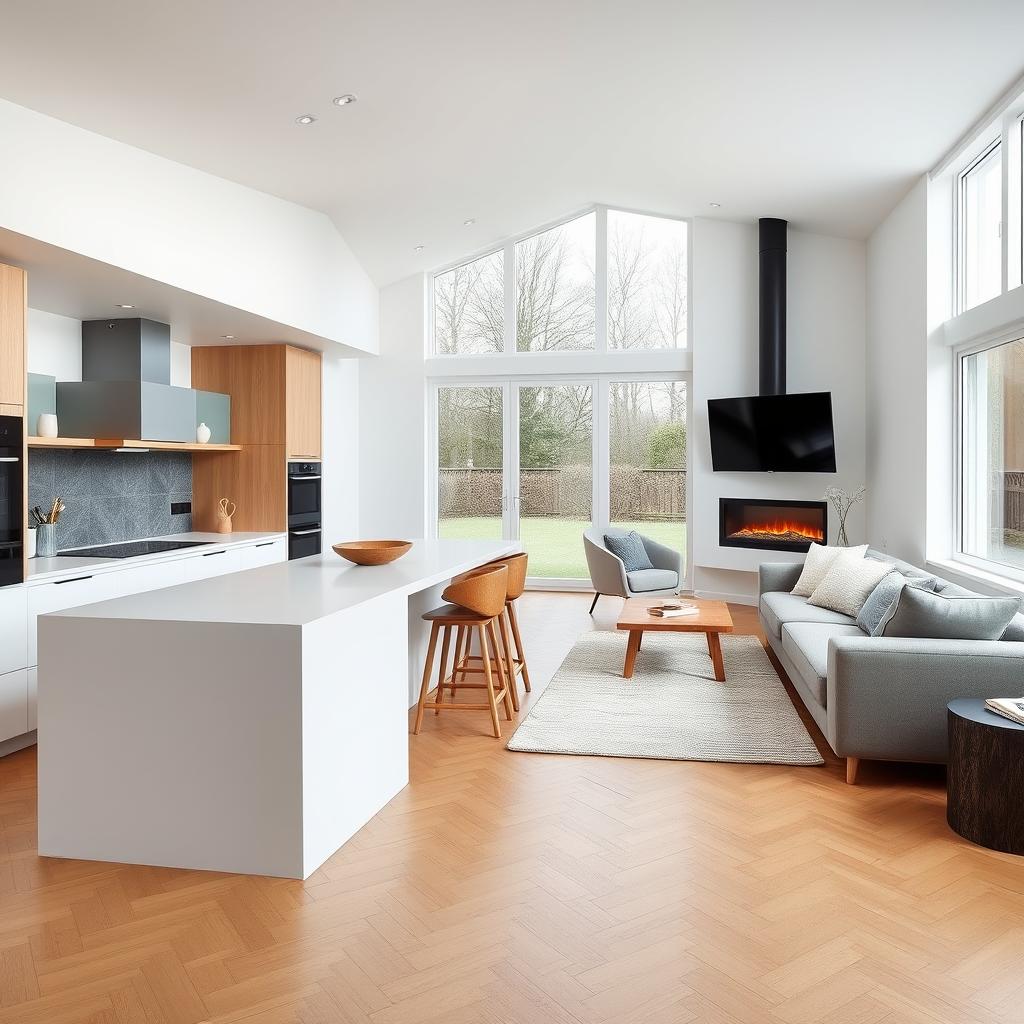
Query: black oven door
{"x": 303, "y": 542}
{"x": 303, "y": 493}
{"x": 11, "y": 512}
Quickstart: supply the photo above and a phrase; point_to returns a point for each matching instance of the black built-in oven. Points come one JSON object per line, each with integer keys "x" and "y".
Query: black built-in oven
{"x": 12, "y": 537}
{"x": 304, "y": 510}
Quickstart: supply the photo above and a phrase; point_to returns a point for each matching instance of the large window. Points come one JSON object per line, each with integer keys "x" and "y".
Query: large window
{"x": 541, "y": 460}
{"x": 469, "y": 307}
{"x": 646, "y": 282}
{"x": 980, "y": 214}
{"x": 607, "y": 281}
{"x": 555, "y": 305}
{"x": 992, "y": 455}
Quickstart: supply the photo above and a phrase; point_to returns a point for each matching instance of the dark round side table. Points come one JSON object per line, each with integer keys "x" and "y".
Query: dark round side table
{"x": 985, "y": 776}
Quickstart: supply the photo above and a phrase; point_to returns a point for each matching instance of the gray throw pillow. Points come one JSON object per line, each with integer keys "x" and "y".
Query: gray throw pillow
{"x": 630, "y": 548}
{"x": 918, "y": 613}
{"x": 881, "y": 599}
{"x": 1015, "y": 630}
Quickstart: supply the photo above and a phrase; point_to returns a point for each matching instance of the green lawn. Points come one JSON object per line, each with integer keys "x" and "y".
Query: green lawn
{"x": 555, "y": 546}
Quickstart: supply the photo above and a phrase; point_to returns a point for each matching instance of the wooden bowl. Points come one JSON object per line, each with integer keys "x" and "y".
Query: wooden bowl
{"x": 372, "y": 552}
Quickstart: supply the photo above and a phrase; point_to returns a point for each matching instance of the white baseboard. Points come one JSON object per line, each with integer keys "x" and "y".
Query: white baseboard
{"x": 17, "y": 743}
{"x": 715, "y": 595}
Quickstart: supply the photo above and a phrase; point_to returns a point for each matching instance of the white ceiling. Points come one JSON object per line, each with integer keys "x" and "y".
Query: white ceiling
{"x": 517, "y": 112}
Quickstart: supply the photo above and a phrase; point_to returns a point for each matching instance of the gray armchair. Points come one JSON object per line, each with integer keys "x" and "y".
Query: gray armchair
{"x": 609, "y": 576}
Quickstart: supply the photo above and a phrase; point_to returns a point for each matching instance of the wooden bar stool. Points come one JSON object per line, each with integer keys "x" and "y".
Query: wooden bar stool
{"x": 477, "y": 600}
{"x": 511, "y": 642}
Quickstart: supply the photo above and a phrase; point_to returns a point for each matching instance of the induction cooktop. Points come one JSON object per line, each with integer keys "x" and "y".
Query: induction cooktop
{"x": 132, "y": 548}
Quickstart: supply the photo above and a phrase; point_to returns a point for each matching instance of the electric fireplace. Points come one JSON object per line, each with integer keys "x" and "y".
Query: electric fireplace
{"x": 772, "y": 525}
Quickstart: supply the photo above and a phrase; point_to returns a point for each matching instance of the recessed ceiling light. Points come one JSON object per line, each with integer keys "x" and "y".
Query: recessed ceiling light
{"x": 305, "y": 119}
{"x": 714, "y": 206}
{"x": 345, "y": 99}
{"x": 228, "y": 337}
{"x": 125, "y": 305}
{"x": 469, "y": 222}
{"x": 419, "y": 248}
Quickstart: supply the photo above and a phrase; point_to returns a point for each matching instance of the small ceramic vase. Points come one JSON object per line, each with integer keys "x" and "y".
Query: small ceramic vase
{"x": 30, "y": 542}
{"x": 225, "y": 510}
{"x": 46, "y": 540}
{"x": 203, "y": 434}
{"x": 47, "y": 425}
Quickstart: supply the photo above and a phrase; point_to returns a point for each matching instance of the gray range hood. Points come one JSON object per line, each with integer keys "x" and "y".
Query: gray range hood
{"x": 126, "y": 391}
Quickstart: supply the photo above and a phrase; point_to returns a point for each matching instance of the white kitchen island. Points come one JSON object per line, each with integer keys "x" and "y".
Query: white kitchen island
{"x": 247, "y": 723}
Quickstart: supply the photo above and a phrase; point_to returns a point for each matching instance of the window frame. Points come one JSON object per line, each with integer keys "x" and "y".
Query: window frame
{"x": 600, "y": 440}
{"x": 601, "y": 348}
{"x": 960, "y": 225}
{"x": 960, "y": 357}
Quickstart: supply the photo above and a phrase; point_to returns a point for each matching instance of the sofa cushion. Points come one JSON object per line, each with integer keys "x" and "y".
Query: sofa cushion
{"x": 881, "y": 599}
{"x": 818, "y": 561}
{"x": 1015, "y": 630}
{"x": 848, "y": 583}
{"x": 917, "y": 613}
{"x": 806, "y": 643}
{"x": 642, "y": 581}
{"x": 778, "y": 608}
{"x": 630, "y": 548}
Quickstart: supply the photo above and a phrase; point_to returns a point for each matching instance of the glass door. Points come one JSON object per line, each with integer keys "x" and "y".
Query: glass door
{"x": 647, "y": 459}
{"x": 472, "y": 497}
{"x": 552, "y": 500}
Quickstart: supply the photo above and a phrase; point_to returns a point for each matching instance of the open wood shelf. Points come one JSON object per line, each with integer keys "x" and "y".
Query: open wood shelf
{"x": 106, "y": 442}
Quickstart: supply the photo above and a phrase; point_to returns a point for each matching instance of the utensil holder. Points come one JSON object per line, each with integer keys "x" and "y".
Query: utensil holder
{"x": 46, "y": 540}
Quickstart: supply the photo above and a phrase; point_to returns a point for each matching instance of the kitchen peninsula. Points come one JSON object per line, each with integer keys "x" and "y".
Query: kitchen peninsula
{"x": 248, "y": 723}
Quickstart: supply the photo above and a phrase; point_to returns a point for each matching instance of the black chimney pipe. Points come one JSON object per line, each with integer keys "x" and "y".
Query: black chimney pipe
{"x": 772, "y": 303}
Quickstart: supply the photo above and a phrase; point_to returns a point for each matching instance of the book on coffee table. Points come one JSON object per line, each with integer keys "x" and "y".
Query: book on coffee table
{"x": 1009, "y": 707}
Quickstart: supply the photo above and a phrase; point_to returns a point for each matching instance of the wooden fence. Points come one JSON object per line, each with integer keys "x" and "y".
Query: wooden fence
{"x": 636, "y": 494}
{"x": 1013, "y": 500}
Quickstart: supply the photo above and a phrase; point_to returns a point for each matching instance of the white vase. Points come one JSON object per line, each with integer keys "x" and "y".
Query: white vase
{"x": 30, "y": 542}
{"x": 47, "y": 425}
{"x": 203, "y": 433}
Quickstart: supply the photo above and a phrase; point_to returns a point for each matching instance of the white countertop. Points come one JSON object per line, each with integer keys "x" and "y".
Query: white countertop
{"x": 40, "y": 569}
{"x": 301, "y": 591}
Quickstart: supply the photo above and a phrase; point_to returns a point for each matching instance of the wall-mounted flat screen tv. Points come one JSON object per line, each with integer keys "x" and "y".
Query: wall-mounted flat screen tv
{"x": 773, "y": 433}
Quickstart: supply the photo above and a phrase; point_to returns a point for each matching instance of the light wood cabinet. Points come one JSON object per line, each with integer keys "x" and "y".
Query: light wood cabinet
{"x": 302, "y": 403}
{"x": 276, "y": 396}
{"x": 13, "y": 295}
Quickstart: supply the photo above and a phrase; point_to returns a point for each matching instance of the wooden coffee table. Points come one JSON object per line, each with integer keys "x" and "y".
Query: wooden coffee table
{"x": 711, "y": 618}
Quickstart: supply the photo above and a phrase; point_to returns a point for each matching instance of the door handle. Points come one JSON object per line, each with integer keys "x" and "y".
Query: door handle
{"x": 305, "y": 476}
{"x": 303, "y": 533}
{"x": 9, "y": 458}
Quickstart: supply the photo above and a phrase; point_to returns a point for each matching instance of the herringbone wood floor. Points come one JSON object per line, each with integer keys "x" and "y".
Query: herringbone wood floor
{"x": 503, "y": 888}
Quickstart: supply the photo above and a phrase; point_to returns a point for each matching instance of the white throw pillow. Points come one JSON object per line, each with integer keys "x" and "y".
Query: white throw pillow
{"x": 818, "y": 562}
{"x": 848, "y": 584}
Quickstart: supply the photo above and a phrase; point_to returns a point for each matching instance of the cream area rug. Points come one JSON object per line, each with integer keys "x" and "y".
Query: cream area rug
{"x": 672, "y": 707}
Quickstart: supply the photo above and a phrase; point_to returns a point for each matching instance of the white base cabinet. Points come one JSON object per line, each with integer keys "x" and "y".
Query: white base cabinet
{"x": 13, "y": 704}
{"x": 20, "y": 608}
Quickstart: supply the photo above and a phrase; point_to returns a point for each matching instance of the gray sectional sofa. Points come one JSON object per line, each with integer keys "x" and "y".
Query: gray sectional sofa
{"x": 881, "y": 698}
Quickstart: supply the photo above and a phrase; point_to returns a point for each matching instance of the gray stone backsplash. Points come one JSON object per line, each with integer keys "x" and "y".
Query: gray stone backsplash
{"x": 111, "y": 496}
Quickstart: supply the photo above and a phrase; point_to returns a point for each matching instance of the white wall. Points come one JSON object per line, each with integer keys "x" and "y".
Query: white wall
{"x": 897, "y": 397}
{"x": 340, "y": 485}
{"x": 825, "y": 352}
{"x": 392, "y": 447}
{"x": 131, "y": 209}
{"x": 54, "y": 345}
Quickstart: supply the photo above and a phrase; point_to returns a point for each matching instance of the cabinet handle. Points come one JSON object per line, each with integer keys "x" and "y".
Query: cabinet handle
{"x": 76, "y": 579}
{"x": 210, "y": 554}
{"x": 266, "y": 544}
{"x": 303, "y": 533}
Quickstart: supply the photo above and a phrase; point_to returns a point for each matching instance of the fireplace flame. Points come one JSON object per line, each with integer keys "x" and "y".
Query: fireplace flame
{"x": 780, "y": 529}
